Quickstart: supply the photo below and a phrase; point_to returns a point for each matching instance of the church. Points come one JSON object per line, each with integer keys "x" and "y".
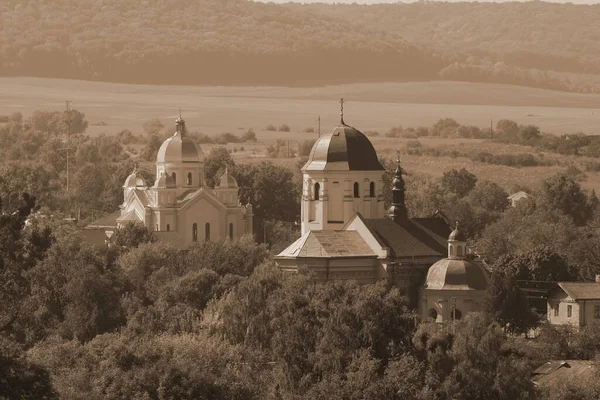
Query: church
{"x": 347, "y": 234}
{"x": 179, "y": 207}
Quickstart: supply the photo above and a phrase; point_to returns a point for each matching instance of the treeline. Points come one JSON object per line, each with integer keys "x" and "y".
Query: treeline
{"x": 198, "y": 42}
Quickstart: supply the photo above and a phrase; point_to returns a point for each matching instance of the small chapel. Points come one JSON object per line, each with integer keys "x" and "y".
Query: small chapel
{"x": 347, "y": 233}
{"x": 179, "y": 207}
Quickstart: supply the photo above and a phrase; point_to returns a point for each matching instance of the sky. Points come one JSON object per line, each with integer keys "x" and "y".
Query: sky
{"x": 412, "y": 1}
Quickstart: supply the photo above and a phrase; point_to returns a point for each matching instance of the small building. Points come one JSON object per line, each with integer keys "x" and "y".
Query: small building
{"x": 515, "y": 197}
{"x": 574, "y": 303}
{"x": 455, "y": 286}
{"x": 560, "y": 372}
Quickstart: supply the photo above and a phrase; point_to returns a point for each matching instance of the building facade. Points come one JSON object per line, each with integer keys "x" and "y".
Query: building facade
{"x": 574, "y": 303}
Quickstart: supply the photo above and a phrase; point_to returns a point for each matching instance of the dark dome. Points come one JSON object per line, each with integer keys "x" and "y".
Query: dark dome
{"x": 457, "y": 236}
{"x": 344, "y": 149}
{"x": 450, "y": 274}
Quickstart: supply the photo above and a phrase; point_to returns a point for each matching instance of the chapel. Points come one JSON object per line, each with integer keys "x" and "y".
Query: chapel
{"x": 179, "y": 207}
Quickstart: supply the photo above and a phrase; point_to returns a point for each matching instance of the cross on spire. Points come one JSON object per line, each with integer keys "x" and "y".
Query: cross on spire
{"x": 398, "y": 157}
{"x": 342, "y": 110}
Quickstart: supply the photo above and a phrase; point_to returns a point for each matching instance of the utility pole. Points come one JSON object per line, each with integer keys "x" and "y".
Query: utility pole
{"x": 319, "y": 126}
{"x": 68, "y": 148}
{"x": 492, "y": 129}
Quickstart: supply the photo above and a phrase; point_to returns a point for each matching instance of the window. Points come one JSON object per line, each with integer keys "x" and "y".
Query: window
{"x": 189, "y": 179}
{"x": 451, "y": 250}
{"x": 457, "y": 314}
{"x": 207, "y": 231}
{"x": 317, "y": 190}
{"x": 372, "y": 189}
{"x": 569, "y": 311}
{"x": 556, "y": 310}
{"x": 356, "y": 190}
{"x": 432, "y": 313}
{"x": 231, "y": 231}
{"x": 459, "y": 251}
{"x": 174, "y": 176}
{"x": 597, "y": 311}
{"x": 195, "y": 233}
{"x": 168, "y": 227}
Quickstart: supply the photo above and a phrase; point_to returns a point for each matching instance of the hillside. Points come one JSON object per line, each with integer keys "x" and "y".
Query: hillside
{"x": 198, "y": 42}
{"x": 532, "y": 43}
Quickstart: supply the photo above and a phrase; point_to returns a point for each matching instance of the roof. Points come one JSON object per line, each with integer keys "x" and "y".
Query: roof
{"x": 581, "y": 290}
{"x": 134, "y": 180}
{"x": 94, "y": 237}
{"x": 411, "y": 238}
{"x": 344, "y": 149}
{"x": 129, "y": 216}
{"x": 578, "y": 372}
{"x": 226, "y": 181}
{"x": 328, "y": 244}
{"x": 108, "y": 221}
{"x": 456, "y": 274}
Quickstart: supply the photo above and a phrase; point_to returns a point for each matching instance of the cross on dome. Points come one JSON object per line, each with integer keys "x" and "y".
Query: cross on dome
{"x": 342, "y": 111}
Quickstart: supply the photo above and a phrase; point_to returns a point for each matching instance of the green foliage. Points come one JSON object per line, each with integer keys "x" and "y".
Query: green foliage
{"x": 564, "y": 195}
{"x": 445, "y": 127}
{"x": 131, "y": 235}
{"x": 283, "y": 128}
{"x": 216, "y": 162}
{"x": 153, "y": 126}
{"x": 305, "y": 146}
{"x": 459, "y": 182}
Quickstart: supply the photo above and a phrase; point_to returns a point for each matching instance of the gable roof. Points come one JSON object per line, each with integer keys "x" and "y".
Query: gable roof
{"x": 189, "y": 197}
{"x": 410, "y": 239}
{"x": 129, "y": 216}
{"x": 108, "y": 221}
{"x": 578, "y": 372}
{"x": 328, "y": 244}
{"x": 581, "y": 290}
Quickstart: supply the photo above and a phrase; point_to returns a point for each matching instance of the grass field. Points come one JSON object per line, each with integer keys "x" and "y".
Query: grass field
{"x": 112, "y": 107}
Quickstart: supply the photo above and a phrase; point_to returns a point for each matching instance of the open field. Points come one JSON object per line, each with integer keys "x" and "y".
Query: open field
{"x": 377, "y": 106}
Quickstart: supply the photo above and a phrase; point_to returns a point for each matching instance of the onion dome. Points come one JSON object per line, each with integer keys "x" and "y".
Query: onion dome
{"x": 179, "y": 148}
{"x": 456, "y": 235}
{"x": 456, "y": 274}
{"x": 226, "y": 181}
{"x": 134, "y": 180}
{"x": 164, "y": 181}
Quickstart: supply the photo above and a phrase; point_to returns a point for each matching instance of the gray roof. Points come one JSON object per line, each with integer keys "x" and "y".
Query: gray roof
{"x": 94, "y": 237}
{"x": 328, "y": 244}
{"x": 577, "y": 372}
{"x": 344, "y": 149}
{"x": 108, "y": 221}
{"x": 456, "y": 274}
{"x": 581, "y": 290}
{"x": 411, "y": 238}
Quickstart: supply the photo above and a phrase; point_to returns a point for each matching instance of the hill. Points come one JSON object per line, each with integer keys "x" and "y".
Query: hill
{"x": 198, "y": 42}
{"x": 532, "y": 43}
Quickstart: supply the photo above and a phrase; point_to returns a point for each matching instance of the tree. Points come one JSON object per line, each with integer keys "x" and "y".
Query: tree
{"x": 508, "y": 128}
{"x": 132, "y": 235}
{"x": 445, "y": 127}
{"x": 565, "y": 195}
{"x": 218, "y": 159}
{"x": 153, "y": 127}
{"x": 460, "y": 182}
{"x": 529, "y": 132}
{"x": 153, "y": 143}
{"x": 58, "y": 122}
{"x": 489, "y": 196}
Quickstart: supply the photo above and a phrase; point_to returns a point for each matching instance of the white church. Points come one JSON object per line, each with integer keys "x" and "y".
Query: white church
{"x": 179, "y": 207}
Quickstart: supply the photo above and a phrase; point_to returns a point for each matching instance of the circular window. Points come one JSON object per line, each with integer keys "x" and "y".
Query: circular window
{"x": 432, "y": 313}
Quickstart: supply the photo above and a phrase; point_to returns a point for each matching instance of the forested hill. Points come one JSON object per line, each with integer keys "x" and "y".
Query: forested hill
{"x": 198, "y": 42}
{"x": 532, "y": 43}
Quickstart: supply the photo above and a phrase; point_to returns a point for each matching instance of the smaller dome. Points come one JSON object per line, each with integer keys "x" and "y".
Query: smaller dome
{"x": 179, "y": 148}
{"x": 456, "y": 274}
{"x": 457, "y": 236}
{"x": 164, "y": 181}
{"x": 134, "y": 180}
{"x": 226, "y": 181}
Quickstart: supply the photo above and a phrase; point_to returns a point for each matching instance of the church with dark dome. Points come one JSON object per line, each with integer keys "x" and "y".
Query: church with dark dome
{"x": 347, "y": 234}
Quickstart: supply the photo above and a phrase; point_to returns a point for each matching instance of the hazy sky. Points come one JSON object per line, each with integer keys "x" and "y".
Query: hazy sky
{"x": 412, "y": 1}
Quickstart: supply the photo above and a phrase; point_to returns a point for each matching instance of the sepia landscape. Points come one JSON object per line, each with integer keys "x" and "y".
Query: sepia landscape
{"x": 233, "y": 199}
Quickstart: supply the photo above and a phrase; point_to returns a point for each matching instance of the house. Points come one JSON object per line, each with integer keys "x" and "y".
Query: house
{"x": 574, "y": 303}
{"x": 515, "y": 197}
{"x": 556, "y": 372}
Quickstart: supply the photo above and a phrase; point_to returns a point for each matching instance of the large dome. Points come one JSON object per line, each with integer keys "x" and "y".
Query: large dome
{"x": 179, "y": 148}
{"x": 456, "y": 274}
{"x": 344, "y": 149}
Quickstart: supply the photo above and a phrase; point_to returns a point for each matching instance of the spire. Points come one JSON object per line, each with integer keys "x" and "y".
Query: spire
{"x": 342, "y": 111}
{"x": 398, "y": 211}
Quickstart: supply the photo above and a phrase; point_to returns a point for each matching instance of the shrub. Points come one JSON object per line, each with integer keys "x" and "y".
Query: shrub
{"x": 371, "y": 133}
{"x": 309, "y": 130}
{"x": 249, "y": 136}
{"x": 411, "y": 144}
{"x": 271, "y": 128}
{"x": 284, "y": 128}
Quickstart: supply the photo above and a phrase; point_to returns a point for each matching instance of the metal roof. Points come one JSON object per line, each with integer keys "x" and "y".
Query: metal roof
{"x": 577, "y": 372}
{"x": 328, "y": 244}
{"x": 108, "y": 221}
{"x": 456, "y": 274}
{"x": 581, "y": 290}
{"x": 344, "y": 149}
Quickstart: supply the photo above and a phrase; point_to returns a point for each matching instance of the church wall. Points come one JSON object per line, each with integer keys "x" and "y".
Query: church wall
{"x": 360, "y": 269}
{"x": 441, "y": 301}
{"x": 200, "y": 213}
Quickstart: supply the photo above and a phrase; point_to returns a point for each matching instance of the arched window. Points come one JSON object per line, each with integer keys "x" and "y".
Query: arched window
{"x": 168, "y": 228}
{"x": 231, "y": 231}
{"x": 372, "y": 189}
{"x": 207, "y": 231}
{"x": 174, "y": 176}
{"x": 459, "y": 251}
{"x": 189, "y": 179}
{"x": 457, "y": 314}
{"x": 432, "y": 313}
{"x": 317, "y": 190}
{"x": 356, "y": 190}
{"x": 451, "y": 250}
{"x": 195, "y": 233}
